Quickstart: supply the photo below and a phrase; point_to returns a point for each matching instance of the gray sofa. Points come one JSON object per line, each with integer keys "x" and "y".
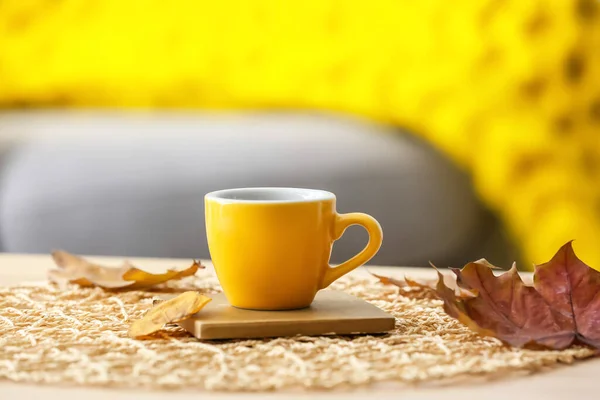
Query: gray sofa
{"x": 132, "y": 184}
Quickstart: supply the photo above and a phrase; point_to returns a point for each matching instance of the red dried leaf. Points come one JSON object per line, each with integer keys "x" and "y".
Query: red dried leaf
{"x": 577, "y": 299}
{"x": 505, "y": 308}
{"x": 561, "y": 308}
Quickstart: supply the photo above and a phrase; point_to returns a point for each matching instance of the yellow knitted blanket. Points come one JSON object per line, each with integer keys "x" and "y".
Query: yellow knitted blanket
{"x": 509, "y": 89}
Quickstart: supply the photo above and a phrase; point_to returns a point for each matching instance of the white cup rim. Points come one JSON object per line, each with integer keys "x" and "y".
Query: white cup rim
{"x": 268, "y": 195}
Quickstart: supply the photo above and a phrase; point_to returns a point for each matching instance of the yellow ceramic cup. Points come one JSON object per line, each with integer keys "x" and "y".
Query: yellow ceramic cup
{"x": 271, "y": 246}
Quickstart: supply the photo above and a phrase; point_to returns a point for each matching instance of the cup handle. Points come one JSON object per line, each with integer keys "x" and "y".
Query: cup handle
{"x": 343, "y": 221}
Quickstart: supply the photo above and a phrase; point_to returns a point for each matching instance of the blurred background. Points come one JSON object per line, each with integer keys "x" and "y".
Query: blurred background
{"x": 469, "y": 129}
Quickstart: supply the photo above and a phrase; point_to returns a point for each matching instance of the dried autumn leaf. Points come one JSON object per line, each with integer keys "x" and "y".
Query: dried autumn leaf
{"x": 386, "y": 280}
{"x": 424, "y": 284}
{"x": 561, "y": 308}
{"x": 75, "y": 269}
{"x": 174, "y": 310}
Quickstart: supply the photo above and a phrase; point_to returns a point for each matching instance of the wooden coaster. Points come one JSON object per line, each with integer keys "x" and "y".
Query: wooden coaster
{"x": 332, "y": 313}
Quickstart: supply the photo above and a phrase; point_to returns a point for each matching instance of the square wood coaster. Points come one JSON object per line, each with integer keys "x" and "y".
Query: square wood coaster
{"x": 332, "y": 313}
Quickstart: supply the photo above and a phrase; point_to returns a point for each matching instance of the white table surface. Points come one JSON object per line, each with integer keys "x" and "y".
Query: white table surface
{"x": 581, "y": 380}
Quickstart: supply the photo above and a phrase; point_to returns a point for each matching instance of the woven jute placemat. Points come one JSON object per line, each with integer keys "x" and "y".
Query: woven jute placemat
{"x": 79, "y": 337}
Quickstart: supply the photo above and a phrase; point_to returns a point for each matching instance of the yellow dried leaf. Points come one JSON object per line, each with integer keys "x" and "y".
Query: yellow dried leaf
{"x": 176, "y": 309}
{"x": 75, "y": 269}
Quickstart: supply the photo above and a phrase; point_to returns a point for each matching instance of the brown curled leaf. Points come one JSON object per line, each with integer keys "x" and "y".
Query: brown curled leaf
{"x": 428, "y": 285}
{"x": 389, "y": 280}
{"x": 174, "y": 310}
{"x": 75, "y": 269}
